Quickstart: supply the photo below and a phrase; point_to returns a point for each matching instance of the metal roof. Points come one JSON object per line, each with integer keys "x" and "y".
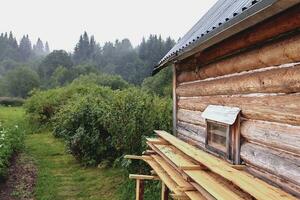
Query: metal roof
{"x": 220, "y": 22}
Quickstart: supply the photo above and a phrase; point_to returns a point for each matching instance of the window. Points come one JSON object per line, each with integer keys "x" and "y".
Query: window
{"x": 216, "y": 135}
{"x": 222, "y": 133}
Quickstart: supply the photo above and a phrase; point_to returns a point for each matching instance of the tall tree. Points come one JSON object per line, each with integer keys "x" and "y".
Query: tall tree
{"x": 47, "y": 48}
{"x": 38, "y": 48}
{"x": 52, "y": 61}
{"x": 25, "y": 48}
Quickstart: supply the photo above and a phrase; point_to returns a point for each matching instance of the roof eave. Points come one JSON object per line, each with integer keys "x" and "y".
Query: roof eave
{"x": 247, "y": 19}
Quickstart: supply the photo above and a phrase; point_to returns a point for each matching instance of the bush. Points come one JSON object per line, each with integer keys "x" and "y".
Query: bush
{"x": 134, "y": 115}
{"x": 11, "y": 140}
{"x": 11, "y": 101}
{"x": 81, "y": 123}
{"x": 42, "y": 105}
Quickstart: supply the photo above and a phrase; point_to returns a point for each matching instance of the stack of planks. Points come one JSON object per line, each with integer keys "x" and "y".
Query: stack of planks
{"x": 190, "y": 173}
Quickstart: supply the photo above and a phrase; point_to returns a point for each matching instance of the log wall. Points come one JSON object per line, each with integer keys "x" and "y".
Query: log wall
{"x": 263, "y": 82}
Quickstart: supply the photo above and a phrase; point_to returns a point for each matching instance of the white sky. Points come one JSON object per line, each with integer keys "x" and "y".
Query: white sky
{"x": 60, "y": 22}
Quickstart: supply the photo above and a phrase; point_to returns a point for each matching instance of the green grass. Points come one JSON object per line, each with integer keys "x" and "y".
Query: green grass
{"x": 11, "y": 115}
{"x": 60, "y": 176}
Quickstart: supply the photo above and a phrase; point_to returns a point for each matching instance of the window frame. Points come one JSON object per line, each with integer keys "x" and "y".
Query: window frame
{"x": 227, "y": 153}
{"x": 229, "y": 117}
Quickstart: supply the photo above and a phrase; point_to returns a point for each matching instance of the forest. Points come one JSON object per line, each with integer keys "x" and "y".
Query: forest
{"x": 24, "y": 67}
{"x": 95, "y": 105}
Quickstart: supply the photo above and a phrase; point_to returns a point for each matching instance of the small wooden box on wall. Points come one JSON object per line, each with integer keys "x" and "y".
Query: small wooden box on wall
{"x": 223, "y": 132}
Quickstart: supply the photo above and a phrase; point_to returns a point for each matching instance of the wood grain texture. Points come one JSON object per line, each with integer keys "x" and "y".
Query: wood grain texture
{"x": 275, "y": 180}
{"x": 189, "y": 116}
{"x": 278, "y": 163}
{"x": 255, "y": 187}
{"x": 280, "y": 136}
{"x": 282, "y": 23}
{"x": 192, "y": 131}
{"x": 278, "y": 108}
{"x": 275, "y": 80}
{"x": 276, "y": 53}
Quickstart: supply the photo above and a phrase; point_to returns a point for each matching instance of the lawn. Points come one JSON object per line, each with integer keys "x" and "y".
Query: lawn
{"x": 60, "y": 176}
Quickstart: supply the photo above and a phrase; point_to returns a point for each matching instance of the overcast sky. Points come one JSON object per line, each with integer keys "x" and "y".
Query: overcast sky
{"x": 62, "y": 21}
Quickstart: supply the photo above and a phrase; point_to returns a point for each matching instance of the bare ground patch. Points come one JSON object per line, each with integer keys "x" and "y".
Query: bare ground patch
{"x": 21, "y": 180}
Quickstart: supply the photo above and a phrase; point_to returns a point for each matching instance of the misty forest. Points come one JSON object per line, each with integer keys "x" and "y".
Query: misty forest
{"x": 68, "y": 118}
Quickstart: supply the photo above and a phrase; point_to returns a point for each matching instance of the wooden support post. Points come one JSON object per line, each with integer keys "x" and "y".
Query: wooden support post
{"x": 139, "y": 189}
{"x": 164, "y": 192}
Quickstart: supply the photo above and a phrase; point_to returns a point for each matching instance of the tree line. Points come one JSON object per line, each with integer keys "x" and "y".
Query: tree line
{"x": 24, "y": 66}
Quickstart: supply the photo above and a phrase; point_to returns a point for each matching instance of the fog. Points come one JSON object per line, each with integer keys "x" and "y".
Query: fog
{"x": 60, "y": 22}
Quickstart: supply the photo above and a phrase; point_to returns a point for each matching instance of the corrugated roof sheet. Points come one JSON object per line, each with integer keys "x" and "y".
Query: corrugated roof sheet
{"x": 222, "y": 15}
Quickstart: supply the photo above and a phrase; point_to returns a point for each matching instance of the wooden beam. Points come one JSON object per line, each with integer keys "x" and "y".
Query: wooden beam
{"x": 287, "y": 21}
{"x": 274, "y": 108}
{"x": 143, "y": 177}
{"x": 280, "y": 136}
{"x": 255, "y": 187}
{"x": 174, "y": 101}
{"x": 189, "y": 116}
{"x": 278, "y": 163}
{"x": 275, "y": 53}
{"x": 272, "y": 80}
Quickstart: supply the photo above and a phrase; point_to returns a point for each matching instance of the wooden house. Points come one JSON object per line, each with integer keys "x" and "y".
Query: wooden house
{"x": 236, "y": 94}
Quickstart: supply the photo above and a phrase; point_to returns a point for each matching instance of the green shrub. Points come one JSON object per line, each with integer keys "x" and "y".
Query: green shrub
{"x": 42, "y": 105}
{"x": 11, "y": 140}
{"x": 81, "y": 123}
{"x": 134, "y": 116}
{"x": 11, "y": 101}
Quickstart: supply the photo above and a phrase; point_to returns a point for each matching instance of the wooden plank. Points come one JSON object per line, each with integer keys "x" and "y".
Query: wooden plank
{"x": 255, "y": 187}
{"x": 203, "y": 192}
{"x": 274, "y": 108}
{"x": 183, "y": 185}
{"x": 279, "y": 24}
{"x": 165, "y": 177}
{"x": 278, "y": 163}
{"x": 143, "y": 177}
{"x": 275, "y": 53}
{"x": 194, "y": 195}
{"x": 156, "y": 141}
{"x": 217, "y": 190}
{"x": 275, "y": 180}
{"x": 280, "y": 136}
{"x": 192, "y": 117}
{"x": 134, "y": 157}
{"x": 176, "y": 157}
{"x": 273, "y": 80}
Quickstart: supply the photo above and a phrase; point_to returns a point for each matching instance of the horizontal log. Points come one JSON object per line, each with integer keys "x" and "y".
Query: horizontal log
{"x": 189, "y": 116}
{"x": 192, "y": 131}
{"x": 276, "y": 53}
{"x": 275, "y": 180}
{"x": 191, "y": 141}
{"x": 281, "y": 136}
{"x": 279, "y": 24}
{"x": 275, "y": 80}
{"x": 280, "y": 108}
{"x": 278, "y": 163}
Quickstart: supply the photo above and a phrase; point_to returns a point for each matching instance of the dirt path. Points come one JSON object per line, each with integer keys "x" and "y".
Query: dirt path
{"x": 21, "y": 180}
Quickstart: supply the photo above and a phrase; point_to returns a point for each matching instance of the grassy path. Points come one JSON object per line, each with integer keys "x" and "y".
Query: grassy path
{"x": 60, "y": 177}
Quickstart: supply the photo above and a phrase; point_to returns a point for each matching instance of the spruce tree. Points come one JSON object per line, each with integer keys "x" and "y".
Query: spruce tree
{"x": 25, "y": 48}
